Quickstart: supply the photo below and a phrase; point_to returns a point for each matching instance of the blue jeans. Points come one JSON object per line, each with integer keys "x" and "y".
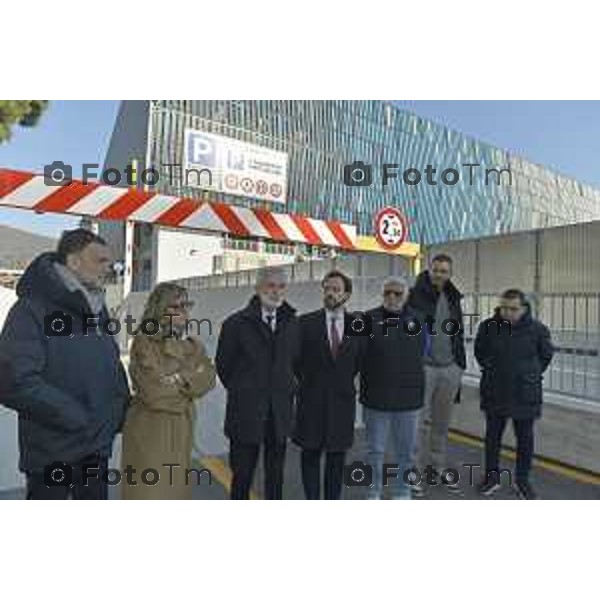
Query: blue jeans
{"x": 403, "y": 432}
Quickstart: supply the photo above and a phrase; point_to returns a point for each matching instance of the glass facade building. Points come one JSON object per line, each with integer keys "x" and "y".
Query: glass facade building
{"x": 322, "y": 137}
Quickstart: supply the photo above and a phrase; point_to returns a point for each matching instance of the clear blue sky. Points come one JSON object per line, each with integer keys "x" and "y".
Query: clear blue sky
{"x": 561, "y": 135}
{"x": 564, "y": 135}
{"x": 75, "y": 132}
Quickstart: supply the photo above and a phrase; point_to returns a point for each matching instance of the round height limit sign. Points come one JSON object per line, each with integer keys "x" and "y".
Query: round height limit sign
{"x": 390, "y": 228}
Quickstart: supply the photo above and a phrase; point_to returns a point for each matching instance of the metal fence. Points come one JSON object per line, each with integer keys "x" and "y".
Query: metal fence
{"x": 312, "y": 270}
{"x": 574, "y": 323}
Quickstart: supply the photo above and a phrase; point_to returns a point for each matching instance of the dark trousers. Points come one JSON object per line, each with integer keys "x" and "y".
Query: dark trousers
{"x": 76, "y": 486}
{"x": 523, "y": 429}
{"x": 243, "y": 459}
{"x": 311, "y": 474}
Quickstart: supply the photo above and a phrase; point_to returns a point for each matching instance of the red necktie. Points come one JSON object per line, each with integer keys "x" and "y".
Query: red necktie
{"x": 335, "y": 339}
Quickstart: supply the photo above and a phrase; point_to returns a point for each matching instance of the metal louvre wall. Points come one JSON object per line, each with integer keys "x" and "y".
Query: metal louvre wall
{"x": 561, "y": 260}
{"x": 569, "y": 259}
{"x": 321, "y": 137}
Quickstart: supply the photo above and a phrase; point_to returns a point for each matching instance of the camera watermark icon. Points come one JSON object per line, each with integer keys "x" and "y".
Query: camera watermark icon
{"x": 362, "y": 325}
{"x": 61, "y": 474}
{"x": 360, "y": 474}
{"x": 58, "y": 173}
{"x": 357, "y": 174}
{"x": 61, "y": 324}
{"x": 58, "y": 474}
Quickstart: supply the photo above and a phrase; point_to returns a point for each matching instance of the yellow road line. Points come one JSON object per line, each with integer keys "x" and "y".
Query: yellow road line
{"x": 221, "y": 472}
{"x": 544, "y": 463}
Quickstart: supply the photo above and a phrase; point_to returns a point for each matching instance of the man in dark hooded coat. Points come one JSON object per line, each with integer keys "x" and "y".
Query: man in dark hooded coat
{"x": 68, "y": 385}
{"x": 513, "y": 350}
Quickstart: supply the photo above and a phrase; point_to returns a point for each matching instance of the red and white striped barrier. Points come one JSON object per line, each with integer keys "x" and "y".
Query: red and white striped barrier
{"x": 26, "y": 190}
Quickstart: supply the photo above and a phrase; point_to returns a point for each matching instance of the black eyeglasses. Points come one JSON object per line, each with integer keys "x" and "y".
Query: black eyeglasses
{"x": 393, "y": 293}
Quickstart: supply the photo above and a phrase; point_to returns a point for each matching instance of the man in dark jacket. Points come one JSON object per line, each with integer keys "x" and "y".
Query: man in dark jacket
{"x": 438, "y": 304}
{"x": 69, "y": 387}
{"x": 256, "y": 352}
{"x": 513, "y": 350}
{"x": 326, "y": 402}
{"x": 392, "y": 386}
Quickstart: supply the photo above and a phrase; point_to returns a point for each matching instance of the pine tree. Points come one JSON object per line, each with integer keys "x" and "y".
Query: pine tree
{"x": 25, "y": 113}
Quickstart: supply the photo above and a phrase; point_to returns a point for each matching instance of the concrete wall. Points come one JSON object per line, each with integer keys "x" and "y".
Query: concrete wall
{"x": 369, "y": 266}
{"x": 217, "y": 303}
{"x": 185, "y": 254}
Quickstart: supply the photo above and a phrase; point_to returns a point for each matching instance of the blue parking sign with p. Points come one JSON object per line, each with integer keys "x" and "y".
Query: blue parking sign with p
{"x": 201, "y": 149}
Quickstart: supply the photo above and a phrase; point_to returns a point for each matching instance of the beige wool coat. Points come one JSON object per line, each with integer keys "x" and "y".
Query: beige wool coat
{"x": 167, "y": 375}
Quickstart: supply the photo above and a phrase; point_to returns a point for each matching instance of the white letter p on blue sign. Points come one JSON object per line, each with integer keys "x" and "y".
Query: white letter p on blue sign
{"x": 201, "y": 149}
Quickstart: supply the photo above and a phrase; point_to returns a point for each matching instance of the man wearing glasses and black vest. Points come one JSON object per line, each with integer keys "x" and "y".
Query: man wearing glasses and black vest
{"x": 391, "y": 390}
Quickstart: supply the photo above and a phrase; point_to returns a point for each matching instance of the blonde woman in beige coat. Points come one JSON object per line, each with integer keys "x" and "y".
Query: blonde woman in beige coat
{"x": 168, "y": 372}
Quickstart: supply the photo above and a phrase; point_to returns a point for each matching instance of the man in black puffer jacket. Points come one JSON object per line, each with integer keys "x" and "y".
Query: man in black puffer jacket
{"x": 68, "y": 387}
{"x": 513, "y": 350}
{"x": 392, "y": 386}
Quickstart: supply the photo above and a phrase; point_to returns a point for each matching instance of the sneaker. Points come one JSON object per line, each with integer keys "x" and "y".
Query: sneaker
{"x": 525, "y": 491}
{"x": 489, "y": 487}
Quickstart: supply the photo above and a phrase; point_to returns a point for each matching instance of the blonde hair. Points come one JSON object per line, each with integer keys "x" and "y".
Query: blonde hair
{"x": 161, "y": 297}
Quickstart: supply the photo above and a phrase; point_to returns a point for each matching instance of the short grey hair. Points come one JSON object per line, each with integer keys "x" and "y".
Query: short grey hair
{"x": 396, "y": 280}
{"x": 268, "y": 273}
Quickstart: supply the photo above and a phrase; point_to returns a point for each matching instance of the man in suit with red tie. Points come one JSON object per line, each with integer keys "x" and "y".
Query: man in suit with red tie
{"x": 326, "y": 402}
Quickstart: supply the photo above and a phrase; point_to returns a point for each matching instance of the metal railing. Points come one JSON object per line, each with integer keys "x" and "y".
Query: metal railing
{"x": 574, "y": 323}
{"x": 306, "y": 271}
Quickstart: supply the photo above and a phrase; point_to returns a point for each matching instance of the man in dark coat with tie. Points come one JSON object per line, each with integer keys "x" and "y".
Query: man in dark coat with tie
{"x": 326, "y": 402}
{"x": 256, "y": 352}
